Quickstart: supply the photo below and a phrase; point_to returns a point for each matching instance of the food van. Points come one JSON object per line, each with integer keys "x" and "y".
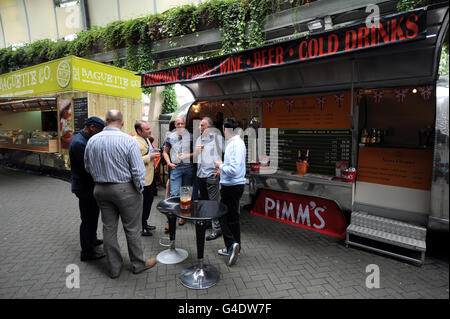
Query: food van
{"x": 43, "y": 106}
{"x": 362, "y": 105}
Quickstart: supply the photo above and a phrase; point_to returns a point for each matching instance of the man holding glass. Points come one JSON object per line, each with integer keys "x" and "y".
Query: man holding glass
{"x": 209, "y": 148}
{"x": 178, "y": 156}
{"x": 148, "y": 157}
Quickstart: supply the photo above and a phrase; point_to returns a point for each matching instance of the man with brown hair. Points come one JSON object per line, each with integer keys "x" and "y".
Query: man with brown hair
{"x": 148, "y": 154}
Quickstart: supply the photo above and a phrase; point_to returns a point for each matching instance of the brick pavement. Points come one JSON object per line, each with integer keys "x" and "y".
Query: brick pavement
{"x": 39, "y": 222}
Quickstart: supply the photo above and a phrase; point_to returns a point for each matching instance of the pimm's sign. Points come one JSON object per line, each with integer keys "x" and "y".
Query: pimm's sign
{"x": 313, "y": 213}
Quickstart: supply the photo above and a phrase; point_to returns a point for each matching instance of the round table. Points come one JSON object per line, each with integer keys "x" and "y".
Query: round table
{"x": 200, "y": 276}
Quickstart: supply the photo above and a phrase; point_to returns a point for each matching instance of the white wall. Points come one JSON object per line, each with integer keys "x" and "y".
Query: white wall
{"x": 42, "y": 21}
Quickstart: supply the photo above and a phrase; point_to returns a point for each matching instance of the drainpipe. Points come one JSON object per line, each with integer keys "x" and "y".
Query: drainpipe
{"x": 85, "y": 15}
{"x": 28, "y": 22}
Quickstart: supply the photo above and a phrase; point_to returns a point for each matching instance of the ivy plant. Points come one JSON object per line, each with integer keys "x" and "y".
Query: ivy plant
{"x": 232, "y": 17}
{"x": 169, "y": 96}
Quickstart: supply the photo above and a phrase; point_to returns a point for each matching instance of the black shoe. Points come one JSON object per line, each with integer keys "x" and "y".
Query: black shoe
{"x": 150, "y": 227}
{"x": 92, "y": 256}
{"x": 213, "y": 235}
{"x": 116, "y": 275}
{"x": 146, "y": 232}
{"x": 98, "y": 242}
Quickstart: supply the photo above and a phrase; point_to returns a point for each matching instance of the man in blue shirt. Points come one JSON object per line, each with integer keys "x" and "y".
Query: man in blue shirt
{"x": 83, "y": 188}
{"x": 232, "y": 181}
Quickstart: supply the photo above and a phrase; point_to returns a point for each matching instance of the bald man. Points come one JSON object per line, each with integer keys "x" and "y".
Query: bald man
{"x": 114, "y": 160}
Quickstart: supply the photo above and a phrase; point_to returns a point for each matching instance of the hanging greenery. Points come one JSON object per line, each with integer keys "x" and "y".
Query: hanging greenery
{"x": 258, "y": 10}
{"x": 169, "y": 96}
{"x": 232, "y": 17}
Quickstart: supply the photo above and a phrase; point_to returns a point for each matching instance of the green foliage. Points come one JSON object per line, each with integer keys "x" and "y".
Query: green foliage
{"x": 258, "y": 10}
{"x": 85, "y": 42}
{"x": 232, "y": 22}
{"x": 232, "y": 17}
{"x": 443, "y": 65}
{"x": 169, "y": 96}
{"x": 178, "y": 21}
{"x": 405, "y": 5}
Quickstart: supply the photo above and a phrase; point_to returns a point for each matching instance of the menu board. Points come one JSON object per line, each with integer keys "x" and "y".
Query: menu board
{"x": 80, "y": 113}
{"x": 326, "y": 147}
{"x": 410, "y": 168}
{"x": 325, "y": 111}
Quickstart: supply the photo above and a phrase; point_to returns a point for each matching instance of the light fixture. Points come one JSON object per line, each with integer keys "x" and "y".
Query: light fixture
{"x": 223, "y": 104}
{"x": 68, "y": 3}
{"x": 414, "y": 90}
{"x": 315, "y": 25}
{"x": 328, "y": 23}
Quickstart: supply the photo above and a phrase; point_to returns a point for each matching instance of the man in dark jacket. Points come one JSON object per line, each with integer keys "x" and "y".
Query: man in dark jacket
{"x": 83, "y": 188}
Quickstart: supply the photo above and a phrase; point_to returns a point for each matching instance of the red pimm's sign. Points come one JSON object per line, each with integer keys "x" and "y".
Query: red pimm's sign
{"x": 317, "y": 214}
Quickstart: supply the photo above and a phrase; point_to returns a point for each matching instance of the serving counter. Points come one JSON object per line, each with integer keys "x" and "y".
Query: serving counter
{"x": 321, "y": 186}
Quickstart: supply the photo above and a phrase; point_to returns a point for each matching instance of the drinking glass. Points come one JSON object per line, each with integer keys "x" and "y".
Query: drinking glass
{"x": 185, "y": 196}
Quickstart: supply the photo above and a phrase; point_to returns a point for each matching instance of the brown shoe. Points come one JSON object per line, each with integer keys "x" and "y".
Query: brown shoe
{"x": 181, "y": 221}
{"x": 148, "y": 264}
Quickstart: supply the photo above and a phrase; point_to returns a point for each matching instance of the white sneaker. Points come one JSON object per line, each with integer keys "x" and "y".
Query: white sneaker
{"x": 224, "y": 252}
{"x": 233, "y": 254}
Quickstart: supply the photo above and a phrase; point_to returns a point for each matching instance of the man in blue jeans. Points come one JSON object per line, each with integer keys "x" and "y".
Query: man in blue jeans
{"x": 178, "y": 155}
{"x": 232, "y": 181}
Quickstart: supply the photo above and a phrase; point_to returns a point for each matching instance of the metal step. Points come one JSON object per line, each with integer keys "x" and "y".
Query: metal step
{"x": 388, "y": 225}
{"x": 387, "y": 231}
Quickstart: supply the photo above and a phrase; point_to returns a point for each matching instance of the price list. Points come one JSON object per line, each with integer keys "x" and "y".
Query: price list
{"x": 326, "y": 147}
{"x": 80, "y": 113}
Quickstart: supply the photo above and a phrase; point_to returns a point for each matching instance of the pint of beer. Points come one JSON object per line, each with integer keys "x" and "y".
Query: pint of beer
{"x": 185, "y": 197}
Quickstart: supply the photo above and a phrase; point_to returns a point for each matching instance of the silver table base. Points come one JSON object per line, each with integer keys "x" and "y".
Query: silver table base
{"x": 200, "y": 276}
{"x": 172, "y": 256}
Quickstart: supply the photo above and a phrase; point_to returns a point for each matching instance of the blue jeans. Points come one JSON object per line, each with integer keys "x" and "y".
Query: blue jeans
{"x": 182, "y": 176}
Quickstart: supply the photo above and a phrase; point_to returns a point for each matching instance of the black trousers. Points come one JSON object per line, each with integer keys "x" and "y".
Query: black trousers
{"x": 210, "y": 190}
{"x": 229, "y": 223}
{"x": 89, "y": 212}
{"x": 148, "y": 193}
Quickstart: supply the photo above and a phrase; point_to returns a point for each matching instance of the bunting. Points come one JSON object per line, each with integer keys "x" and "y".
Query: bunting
{"x": 339, "y": 98}
{"x": 425, "y": 91}
{"x": 321, "y": 101}
{"x": 378, "y": 96}
{"x": 290, "y": 105}
{"x": 358, "y": 96}
{"x": 400, "y": 95}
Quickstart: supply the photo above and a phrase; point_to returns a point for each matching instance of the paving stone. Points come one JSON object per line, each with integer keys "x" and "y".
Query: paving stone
{"x": 272, "y": 264}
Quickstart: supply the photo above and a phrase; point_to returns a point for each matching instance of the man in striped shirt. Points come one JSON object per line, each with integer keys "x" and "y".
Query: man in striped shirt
{"x": 114, "y": 160}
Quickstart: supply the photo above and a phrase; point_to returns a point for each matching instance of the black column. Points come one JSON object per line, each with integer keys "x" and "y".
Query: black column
{"x": 200, "y": 229}
{"x": 172, "y": 225}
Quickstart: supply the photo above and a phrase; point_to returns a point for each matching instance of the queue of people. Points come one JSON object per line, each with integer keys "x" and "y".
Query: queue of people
{"x": 114, "y": 173}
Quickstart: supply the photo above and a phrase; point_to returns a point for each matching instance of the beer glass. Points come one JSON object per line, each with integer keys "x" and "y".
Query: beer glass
{"x": 185, "y": 196}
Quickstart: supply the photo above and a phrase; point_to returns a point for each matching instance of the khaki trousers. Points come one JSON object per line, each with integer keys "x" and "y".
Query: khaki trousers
{"x": 125, "y": 201}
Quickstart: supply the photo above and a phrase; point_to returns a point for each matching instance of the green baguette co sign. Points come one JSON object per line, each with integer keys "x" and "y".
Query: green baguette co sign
{"x": 70, "y": 74}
